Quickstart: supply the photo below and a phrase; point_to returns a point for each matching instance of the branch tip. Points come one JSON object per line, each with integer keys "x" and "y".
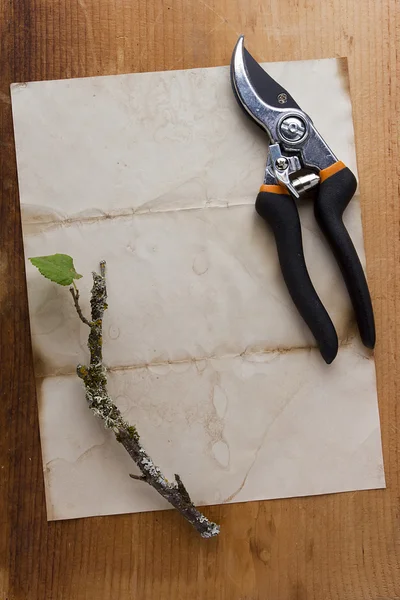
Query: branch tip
{"x": 137, "y": 477}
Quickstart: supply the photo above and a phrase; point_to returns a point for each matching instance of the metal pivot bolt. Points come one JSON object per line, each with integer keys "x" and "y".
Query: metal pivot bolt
{"x": 281, "y": 163}
{"x": 292, "y": 129}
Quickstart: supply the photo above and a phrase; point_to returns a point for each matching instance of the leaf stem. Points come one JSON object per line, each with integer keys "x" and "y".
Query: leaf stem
{"x": 75, "y": 296}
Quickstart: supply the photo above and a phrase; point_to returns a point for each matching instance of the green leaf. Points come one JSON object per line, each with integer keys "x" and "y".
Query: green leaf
{"x": 56, "y": 267}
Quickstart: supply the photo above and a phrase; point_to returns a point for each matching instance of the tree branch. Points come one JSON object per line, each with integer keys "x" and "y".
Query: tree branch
{"x": 95, "y": 380}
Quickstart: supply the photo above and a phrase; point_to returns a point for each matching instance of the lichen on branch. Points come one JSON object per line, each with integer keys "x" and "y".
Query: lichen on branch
{"x": 94, "y": 378}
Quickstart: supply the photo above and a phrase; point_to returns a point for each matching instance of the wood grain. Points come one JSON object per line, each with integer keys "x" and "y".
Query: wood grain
{"x": 340, "y": 547}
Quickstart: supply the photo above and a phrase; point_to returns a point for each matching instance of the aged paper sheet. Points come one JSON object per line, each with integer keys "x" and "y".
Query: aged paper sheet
{"x": 157, "y": 174}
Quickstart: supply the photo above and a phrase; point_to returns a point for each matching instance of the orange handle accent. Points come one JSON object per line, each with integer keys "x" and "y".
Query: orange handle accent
{"x": 331, "y": 170}
{"x": 274, "y": 189}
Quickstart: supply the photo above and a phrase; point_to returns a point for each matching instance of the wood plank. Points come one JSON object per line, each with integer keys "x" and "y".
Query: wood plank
{"x": 332, "y": 547}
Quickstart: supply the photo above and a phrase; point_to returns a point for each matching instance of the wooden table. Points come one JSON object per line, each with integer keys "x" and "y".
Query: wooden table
{"x": 344, "y": 546}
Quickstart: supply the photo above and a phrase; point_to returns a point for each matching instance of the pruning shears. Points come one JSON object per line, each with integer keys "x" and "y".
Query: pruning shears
{"x": 299, "y": 160}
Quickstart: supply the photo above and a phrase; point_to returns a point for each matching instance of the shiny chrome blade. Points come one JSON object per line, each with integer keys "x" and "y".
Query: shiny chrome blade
{"x": 274, "y": 109}
{"x": 256, "y": 91}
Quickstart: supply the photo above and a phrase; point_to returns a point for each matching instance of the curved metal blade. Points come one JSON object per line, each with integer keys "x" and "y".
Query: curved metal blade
{"x": 265, "y": 86}
{"x": 255, "y": 90}
{"x": 261, "y": 97}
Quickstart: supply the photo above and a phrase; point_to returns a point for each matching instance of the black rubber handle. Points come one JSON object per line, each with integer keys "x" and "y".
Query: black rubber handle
{"x": 334, "y": 195}
{"x": 280, "y": 212}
